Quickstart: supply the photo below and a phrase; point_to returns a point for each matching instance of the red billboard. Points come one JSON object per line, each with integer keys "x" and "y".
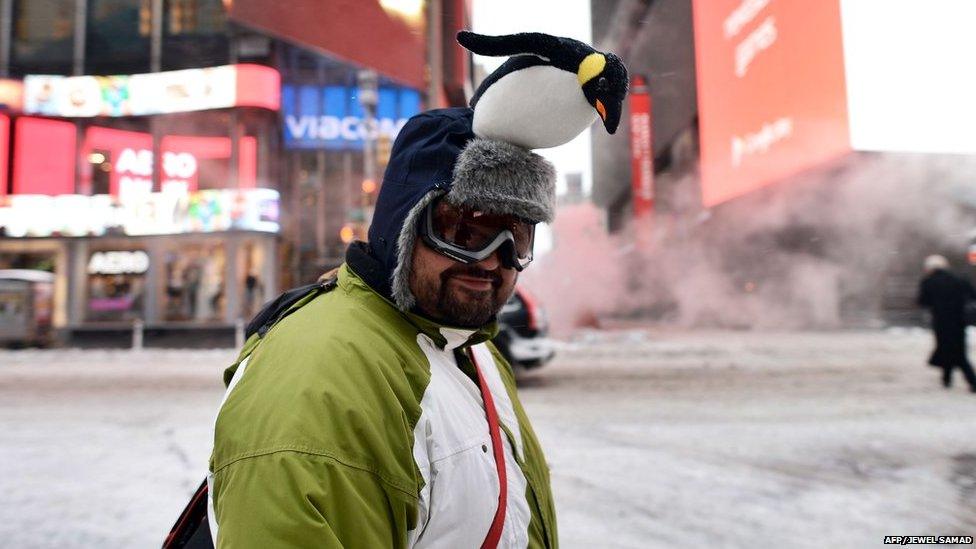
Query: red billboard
{"x": 119, "y": 153}
{"x": 641, "y": 148}
{"x": 771, "y": 91}
{"x": 4, "y": 148}
{"x": 44, "y": 156}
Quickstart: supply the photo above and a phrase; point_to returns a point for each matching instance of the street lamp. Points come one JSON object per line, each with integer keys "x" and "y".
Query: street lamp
{"x": 368, "y": 98}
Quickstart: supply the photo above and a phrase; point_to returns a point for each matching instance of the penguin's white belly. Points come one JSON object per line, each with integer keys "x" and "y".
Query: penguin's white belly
{"x": 536, "y": 108}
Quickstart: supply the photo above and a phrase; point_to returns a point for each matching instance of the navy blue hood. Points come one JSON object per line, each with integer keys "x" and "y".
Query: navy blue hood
{"x": 422, "y": 159}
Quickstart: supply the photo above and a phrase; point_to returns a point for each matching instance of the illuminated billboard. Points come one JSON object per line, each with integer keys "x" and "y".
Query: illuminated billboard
{"x": 786, "y": 85}
{"x": 771, "y": 92}
{"x": 641, "y": 147}
{"x": 331, "y": 117}
{"x": 162, "y": 213}
{"x": 128, "y": 159}
{"x": 4, "y": 146}
{"x": 44, "y": 156}
{"x": 910, "y": 78}
{"x": 11, "y": 94}
{"x": 153, "y": 93}
{"x": 124, "y": 156}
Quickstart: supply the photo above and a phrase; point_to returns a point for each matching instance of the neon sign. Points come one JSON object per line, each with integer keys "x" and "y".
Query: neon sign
{"x": 135, "y": 169}
{"x": 169, "y": 212}
{"x": 121, "y": 262}
{"x": 130, "y": 161}
{"x": 331, "y": 117}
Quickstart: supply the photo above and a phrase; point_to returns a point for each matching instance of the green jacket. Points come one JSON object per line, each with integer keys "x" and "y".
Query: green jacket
{"x": 352, "y": 424}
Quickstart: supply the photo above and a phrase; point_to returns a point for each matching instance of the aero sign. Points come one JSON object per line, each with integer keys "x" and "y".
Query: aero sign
{"x": 135, "y": 169}
{"x": 121, "y": 262}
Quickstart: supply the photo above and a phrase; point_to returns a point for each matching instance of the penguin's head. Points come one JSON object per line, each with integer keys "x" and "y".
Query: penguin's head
{"x": 604, "y": 81}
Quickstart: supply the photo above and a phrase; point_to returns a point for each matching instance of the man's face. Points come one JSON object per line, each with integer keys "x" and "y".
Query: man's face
{"x": 458, "y": 294}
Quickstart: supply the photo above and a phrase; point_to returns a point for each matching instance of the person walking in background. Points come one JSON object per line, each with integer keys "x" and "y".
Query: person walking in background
{"x": 945, "y": 295}
{"x": 253, "y": 294}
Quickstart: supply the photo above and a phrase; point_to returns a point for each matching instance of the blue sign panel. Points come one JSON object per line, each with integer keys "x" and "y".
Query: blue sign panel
{"x": 330, "y": 117}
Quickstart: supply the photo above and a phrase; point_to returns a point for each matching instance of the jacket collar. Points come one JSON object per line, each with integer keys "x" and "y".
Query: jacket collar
{"x": 361, "y": 269}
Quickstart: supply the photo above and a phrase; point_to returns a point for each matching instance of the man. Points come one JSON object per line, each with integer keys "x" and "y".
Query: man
{"x": 378, "y": 414}
{"x": 945, "y": 295}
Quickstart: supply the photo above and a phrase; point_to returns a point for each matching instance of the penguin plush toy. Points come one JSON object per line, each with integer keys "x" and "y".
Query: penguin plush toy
{"x": 547, "y": 92}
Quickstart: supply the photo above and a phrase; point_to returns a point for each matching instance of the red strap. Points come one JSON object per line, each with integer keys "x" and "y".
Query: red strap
{"x": 495, "y": 532}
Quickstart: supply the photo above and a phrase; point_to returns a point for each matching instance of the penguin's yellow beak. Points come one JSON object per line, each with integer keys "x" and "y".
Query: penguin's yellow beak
{"x": 602, "y": 110}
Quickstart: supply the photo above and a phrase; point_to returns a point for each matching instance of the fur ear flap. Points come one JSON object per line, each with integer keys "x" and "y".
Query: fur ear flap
{"x": 534, "y": 43}
{"x": 400, "y": 279}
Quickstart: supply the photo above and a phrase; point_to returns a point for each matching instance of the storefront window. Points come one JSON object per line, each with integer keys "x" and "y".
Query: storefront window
{"x": 116, "y": 285}
{"x": 35, "y": 261}
{"x": 195, "y": 286}
{"x": 117, "y": 41}
{"x": 43, "y": 36}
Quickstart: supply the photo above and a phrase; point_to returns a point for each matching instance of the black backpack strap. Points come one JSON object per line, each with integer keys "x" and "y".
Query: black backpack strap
{"x": 192, "y": 529}
{"x": 285, "y": 304}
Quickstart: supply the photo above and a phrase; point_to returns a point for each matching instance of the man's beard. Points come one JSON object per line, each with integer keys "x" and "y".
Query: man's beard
{"x": 473, "y": 312}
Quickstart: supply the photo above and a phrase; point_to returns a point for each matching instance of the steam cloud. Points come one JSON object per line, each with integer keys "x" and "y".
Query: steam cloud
{"x": 825, "y": 249}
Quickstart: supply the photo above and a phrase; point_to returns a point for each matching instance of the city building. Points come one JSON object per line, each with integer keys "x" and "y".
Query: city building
{"x": 775, "y": 129}
{"x": 178, "y": 162}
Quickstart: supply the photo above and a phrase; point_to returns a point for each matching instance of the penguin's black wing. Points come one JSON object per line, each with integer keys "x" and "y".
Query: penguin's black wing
{"x": 536, "y": 43}
{"x": 516, "y": 63}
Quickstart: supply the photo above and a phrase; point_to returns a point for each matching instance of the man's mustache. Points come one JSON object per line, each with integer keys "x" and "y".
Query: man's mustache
{"x": 474, "y": 272}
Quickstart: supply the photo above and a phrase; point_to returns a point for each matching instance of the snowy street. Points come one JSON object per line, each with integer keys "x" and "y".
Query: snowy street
{"x": 655, "y": 439}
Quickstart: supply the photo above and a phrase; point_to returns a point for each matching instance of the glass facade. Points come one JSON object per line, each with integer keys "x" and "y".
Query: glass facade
{"x": 195, "y": 284}
{"x": 43, "y": 37}
{"x": 117, "y": 36}
{"x": 195, "y": 17}
{"x": 194, "y": 34}
{"x": 251, "y": 268}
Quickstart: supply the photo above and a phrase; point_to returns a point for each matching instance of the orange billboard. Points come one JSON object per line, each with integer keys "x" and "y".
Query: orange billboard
{"x": 771, "y": 93}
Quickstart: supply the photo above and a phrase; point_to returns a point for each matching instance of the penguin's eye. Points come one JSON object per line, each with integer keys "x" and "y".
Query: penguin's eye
{"x": 601, "y": 84}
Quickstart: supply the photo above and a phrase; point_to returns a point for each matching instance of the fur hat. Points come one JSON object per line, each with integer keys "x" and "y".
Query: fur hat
{"x": 492, "y": 176}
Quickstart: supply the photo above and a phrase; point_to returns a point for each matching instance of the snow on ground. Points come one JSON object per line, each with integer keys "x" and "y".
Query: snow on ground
{"x": 655, "y": 439}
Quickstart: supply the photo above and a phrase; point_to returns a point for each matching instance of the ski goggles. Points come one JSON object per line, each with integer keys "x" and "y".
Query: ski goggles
{"x": 470, "y": 235}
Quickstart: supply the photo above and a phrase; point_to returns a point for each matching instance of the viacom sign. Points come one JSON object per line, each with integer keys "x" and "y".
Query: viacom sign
{"x": 346, "y": 129}
{"x": 330, "y": 117}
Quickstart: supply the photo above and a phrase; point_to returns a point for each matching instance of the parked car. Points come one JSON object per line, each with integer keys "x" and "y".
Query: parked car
{"x": 522, "y": 329}
{"x": 26, "y": 307}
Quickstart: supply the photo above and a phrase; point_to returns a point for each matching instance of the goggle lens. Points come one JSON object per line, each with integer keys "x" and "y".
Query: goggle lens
{"x": 472, "y": 229}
